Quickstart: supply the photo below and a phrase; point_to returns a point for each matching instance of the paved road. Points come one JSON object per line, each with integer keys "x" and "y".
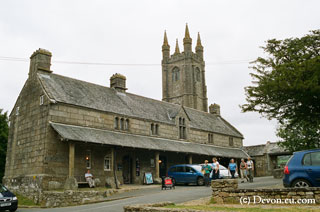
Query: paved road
{"x": 153, "y": 195}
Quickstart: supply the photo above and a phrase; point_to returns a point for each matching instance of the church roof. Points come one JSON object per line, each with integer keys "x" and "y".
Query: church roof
{"x": 107, "y": 137}
{"x": 80, "y": 93}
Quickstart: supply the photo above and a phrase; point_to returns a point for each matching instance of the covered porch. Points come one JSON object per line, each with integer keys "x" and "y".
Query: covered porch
{"x": 124, "y": 157}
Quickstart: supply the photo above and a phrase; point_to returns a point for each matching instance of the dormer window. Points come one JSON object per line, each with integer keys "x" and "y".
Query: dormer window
{"x": 182, "y": 128}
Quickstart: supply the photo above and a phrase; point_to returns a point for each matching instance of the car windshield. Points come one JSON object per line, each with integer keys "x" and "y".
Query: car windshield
{"x": 3, "y": 189}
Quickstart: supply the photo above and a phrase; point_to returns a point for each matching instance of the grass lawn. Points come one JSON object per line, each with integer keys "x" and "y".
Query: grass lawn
{"x": 242, "y": 209}
{"x": 22, "y": 200}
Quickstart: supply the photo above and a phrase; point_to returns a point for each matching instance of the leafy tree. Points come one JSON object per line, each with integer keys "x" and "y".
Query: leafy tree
{"x": 287, "y": 88}
{"x": 4, "y": 129}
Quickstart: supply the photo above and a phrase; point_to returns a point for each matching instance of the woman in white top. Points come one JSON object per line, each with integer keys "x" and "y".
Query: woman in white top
{"x": 250, "y": 168}
{"x": 215, "y": 169}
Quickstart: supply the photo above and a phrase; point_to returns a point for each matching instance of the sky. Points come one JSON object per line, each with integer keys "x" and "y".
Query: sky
{"x": 129, "y": 35}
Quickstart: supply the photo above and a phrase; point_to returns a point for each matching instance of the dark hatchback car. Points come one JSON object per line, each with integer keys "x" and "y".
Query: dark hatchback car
{"x": 303, "y": 169}
{"x": 8, "y": 201}
{"x": 186, "y": 174}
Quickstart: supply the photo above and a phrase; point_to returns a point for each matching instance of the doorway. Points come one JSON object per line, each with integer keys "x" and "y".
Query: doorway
{"x": 163, "y": 166}
{"x": 127, "y": 169}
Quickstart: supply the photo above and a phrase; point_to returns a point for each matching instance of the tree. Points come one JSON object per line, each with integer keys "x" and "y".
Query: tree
{"x": 4, "y": 129}
{"x": 287, "y": 88}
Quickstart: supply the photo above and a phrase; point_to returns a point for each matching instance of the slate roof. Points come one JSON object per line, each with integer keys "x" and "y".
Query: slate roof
{"x": 93, "y": 135}
{"x": 76, "y": 92}
{"x": 269, "y": 148}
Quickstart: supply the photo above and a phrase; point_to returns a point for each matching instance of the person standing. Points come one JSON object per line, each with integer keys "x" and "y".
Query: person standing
{"x": 250, "y": 168}
{"x": 215, "y": 165}
{"x": 206, "y": 168}
{"x": 232, "y": 168}
{"x": 243, "y": 170}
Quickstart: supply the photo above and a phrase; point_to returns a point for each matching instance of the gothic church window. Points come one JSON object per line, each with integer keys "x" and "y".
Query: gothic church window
{"x": 182, "y": 128}
{"x": 175, "y": 74}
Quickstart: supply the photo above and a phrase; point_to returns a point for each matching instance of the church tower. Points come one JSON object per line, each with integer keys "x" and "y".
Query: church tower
{"x": 183, "y": 74}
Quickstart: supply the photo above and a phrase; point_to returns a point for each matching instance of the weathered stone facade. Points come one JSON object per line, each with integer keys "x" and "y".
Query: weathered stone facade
{"x": 183, "y": 75}
{"x": 266, "y": 159}
{"x": 42, "y": 157}
{"x": 226, "y": 192}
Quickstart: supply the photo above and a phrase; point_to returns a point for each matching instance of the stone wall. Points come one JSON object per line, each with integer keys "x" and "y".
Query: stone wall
{"x": 65, "y": 198}
{"x": 226, "y": 191}
{"x": 155, "y": 207}
{"x": 27, "y": 132}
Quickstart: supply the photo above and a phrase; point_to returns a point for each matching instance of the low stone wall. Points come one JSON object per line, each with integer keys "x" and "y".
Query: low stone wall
{"x": 63, "y": 198}
{"x": 158, "y": 207}
{"x": 226, "y": 191}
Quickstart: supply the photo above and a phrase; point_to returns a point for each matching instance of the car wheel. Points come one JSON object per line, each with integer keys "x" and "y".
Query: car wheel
{"x": 300, "y": 183}
{"x": 13, "y": 210}
{"x": 200, "y": 181}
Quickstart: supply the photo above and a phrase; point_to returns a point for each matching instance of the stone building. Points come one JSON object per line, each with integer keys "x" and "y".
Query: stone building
{"x": 60, "y": 127}
{"x": 268, "y": 158}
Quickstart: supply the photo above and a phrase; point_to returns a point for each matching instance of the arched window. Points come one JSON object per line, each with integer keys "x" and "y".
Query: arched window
{"x": 175, "y": 74}
{"x": 116, "y": 123}
{"x": 121, "y": 124}
{"x": 126, "y": 126}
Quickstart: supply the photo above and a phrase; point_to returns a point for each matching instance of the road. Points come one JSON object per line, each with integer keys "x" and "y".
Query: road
{"x": 153, "y": 195}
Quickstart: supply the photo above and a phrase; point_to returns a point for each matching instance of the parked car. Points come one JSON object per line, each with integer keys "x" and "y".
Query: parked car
{"x": 303, "y": 169}
{"x": 186, "y": 173}
{"x": 8, "y": 201}
{"x": 223, "y": 172}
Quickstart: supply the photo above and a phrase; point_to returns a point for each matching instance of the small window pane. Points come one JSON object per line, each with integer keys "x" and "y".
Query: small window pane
{"x": 116, "y": 123}
{"x": 107, "y": 163}
{"x": 315, "y": 158}
{"x": 307, "y": 160}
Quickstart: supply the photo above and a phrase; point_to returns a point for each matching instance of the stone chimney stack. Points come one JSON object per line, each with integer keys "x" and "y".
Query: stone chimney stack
{"x": 214, "y": 109}
{"x": 40, "y": 60}
{"x": 118, "y": 82}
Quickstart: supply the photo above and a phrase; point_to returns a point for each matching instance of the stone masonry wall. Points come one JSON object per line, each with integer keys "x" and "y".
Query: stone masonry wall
{"x": 226, "y": 191}
{"x": 27, "y": 133}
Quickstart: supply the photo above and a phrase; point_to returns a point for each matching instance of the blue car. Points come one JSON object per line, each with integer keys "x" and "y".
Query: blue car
{"x": 303, "y": 169}
{"x": 186, "y": 173}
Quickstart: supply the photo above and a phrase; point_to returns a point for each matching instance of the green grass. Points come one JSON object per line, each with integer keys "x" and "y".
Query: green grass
{"x": 25, "y": 201}
{"x": 234, "y": 209}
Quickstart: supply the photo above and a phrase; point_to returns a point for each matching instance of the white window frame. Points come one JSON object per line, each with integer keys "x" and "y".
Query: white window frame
{"x": 41, "y": 99}
{"x": 105, "y": 166}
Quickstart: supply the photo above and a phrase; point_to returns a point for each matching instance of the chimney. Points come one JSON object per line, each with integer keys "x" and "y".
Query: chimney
{"x": 214, "y": 109}
{"x": 118, "y": 82}
{"x": 40, "y": 60}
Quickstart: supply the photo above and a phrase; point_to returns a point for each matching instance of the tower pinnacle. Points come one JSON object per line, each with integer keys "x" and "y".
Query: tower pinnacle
{"x": 165, "y": 39}
{"x": 187, "y": 41}
{"x": 165, "y": 47}
{"x": 177, "y": 50}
